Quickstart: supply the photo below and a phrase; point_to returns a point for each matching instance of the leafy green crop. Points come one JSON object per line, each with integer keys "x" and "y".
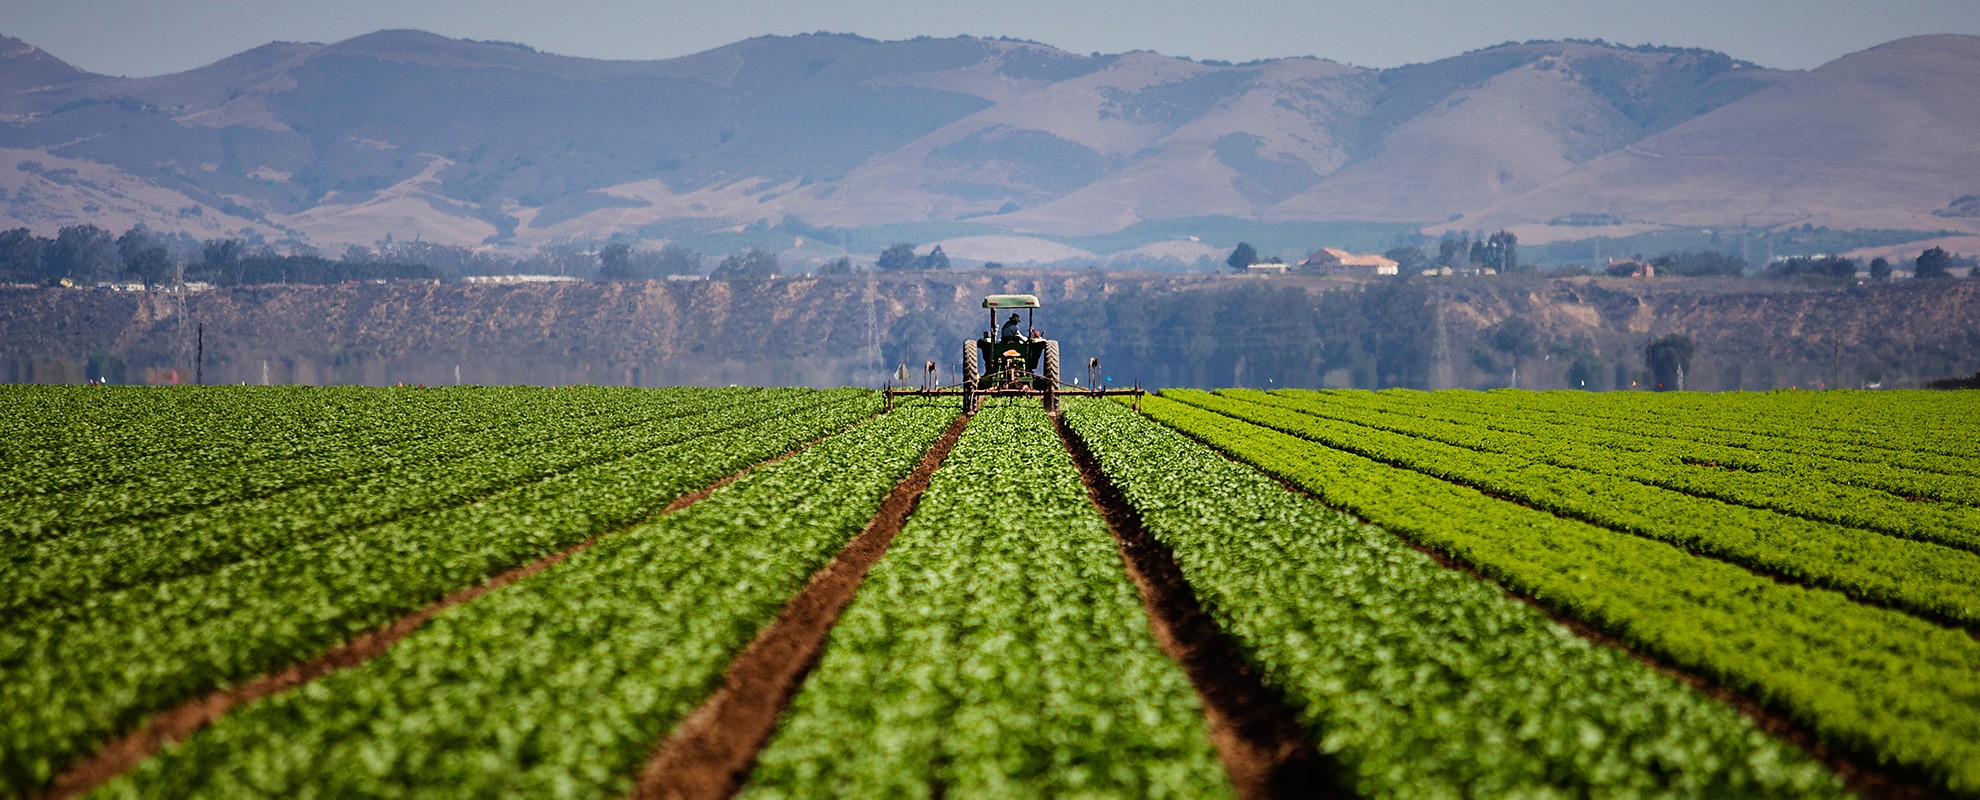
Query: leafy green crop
{"x": 1914, "y": 504}
{"x": 1933, "y": 431}
{"x": 76, "y": 567}
{"x": 281, "y": 455}
{"x": 998, "y": 650}
{"x": 1865, "y": 679}
{"x": 1807, "y": 446}
{"x": 561, "y": 684}
{"x": 1934, "y": 581}
{"x": 1421, "y": 680}
{"x": 72, "y": 674}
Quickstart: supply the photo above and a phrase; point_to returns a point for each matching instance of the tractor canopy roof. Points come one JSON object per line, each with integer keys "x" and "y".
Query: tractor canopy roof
{"x": 1011, "y": 301}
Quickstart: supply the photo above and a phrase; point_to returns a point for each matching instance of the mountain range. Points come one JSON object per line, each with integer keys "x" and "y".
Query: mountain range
{"x": 1002, "y": 148}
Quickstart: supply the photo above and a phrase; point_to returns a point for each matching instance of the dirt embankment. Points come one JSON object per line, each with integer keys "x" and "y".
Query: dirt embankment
{"x": 1164, "y": 330}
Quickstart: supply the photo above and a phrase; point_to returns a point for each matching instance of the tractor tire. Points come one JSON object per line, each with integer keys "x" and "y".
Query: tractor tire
{"x": 971, "y": 365}
{"x": 1051, "y": 363}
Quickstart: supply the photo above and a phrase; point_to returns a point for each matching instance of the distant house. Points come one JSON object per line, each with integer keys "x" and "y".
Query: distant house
{"x": 1266, "y": 268}
{"x": 511, "y": 280}
{"x": 1334, "y": 259}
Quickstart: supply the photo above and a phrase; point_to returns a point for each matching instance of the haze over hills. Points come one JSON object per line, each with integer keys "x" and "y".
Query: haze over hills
{"x": 997, "y": 145}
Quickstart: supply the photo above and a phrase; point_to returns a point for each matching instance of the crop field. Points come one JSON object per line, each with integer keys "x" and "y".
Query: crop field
{"x": 781, "y": 593}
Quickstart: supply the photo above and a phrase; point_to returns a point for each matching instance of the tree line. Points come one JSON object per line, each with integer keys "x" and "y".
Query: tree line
{"x": 87, "y": 254}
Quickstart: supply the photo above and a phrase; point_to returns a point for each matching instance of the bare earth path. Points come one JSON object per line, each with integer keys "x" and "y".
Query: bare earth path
{"x": 710, "y": 755}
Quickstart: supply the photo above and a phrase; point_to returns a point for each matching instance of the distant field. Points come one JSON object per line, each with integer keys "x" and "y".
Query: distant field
{"x": 593, "y": 592}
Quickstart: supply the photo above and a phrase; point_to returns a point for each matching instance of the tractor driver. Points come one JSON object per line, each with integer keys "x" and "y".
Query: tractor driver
{"x": 1010, "y": 330}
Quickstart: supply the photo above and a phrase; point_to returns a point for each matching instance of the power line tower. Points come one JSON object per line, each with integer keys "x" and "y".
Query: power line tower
{"x": 872, "y": 349}
{"x": 1441, "y": 379}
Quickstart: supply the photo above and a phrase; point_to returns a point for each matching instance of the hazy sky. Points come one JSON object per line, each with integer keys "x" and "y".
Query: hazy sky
{"x": 151, "y": 37}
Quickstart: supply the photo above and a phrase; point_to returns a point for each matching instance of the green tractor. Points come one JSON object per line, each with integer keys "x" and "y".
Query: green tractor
{"x": 1009, "y": 360}
{"x": 1014, "y": 358}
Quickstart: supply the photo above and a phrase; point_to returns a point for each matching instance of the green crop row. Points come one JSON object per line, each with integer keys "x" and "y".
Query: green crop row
{"x": 75, "y": 567}
{"x": 72, "y": 675}
{"x": 562, "y": 684}
{"x": 1796, "y": 465}
{"x": 413, "y": 439}
{"x": 998, "y": 650}
{"x": 70, "y": 439}
{"x": 1906, "y": 427}
{"x": 1927, "y": 579}
{"x": 56, "y": 438}
{"x": 1422, "y": 681}
{"x": 1866, "y": 680}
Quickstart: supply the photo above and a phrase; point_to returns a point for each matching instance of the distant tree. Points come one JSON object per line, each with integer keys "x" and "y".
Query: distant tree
{"x": 1667, "y": 359}
{"x": 1584, "y": 373}
{"x": 1515, "y": 336}
{"x": 1880, "y": 269}
{"x": 936, "y": 259}
{"x": 82, "y": 252}
{"x": 1826, "y": 269}
{"x": 1699, "y": 264}
{"x": 897, "y": 258}
{"x": 222, "y": 256}
{"x": 843, "y": 266}
{"x": 751, "y": 264}
{"x": 151, "y": 266}
{"x": 1501, "y": 252}
{"x": 677, "y": 259}
{"x": 1407, "y": 258}
{"x": 1933, "y": 263}
{"x": 1244, "y": 255}
{"x": 1448, "y": 250}
{"x": 993, "y": 265}
{"x": 134, "y": 241}
{"x": 615, "y": 263}
{"x": 21, "y": 255}
{"x": 1477, "y": 257}
{"x": 359, "y": 254}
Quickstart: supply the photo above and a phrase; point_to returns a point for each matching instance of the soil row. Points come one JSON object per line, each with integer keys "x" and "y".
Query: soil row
{"x": 1265, "y": 751}
{"x": 713, "y": 750}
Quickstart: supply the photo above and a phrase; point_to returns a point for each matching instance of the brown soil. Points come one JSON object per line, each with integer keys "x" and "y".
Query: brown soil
{"x": 1258, "y": 737}
{"x": 712, "y": 752}
{"x": 177, "y": 723}
{"x": 1860, "y": 773}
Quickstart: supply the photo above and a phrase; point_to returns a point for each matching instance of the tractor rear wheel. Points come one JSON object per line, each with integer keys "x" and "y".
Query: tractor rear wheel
{"x": 1051, "y": 364}
{"x": 971, "y": 369}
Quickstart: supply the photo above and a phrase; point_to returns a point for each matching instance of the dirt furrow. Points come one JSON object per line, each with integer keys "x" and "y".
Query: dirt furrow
{"x": 178, "y": 722}
{"x": 1264, "y": 750}
{"x": 711, "y": 753}
{"x": 1862, "y": 776}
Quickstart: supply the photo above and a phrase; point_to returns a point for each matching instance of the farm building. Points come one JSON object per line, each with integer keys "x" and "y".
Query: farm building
{"x": 1336, "y": 259}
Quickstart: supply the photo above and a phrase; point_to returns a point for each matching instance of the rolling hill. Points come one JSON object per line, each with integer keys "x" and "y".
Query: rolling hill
{"x": 415, "y": 135}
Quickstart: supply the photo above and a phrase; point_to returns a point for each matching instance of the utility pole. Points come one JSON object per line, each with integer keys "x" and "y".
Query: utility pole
{"x": 1835, "y": 362}
{"x": 872, "y": 354}
{"x": 1441, "y": 378}
{"x": 199, "y": 363}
